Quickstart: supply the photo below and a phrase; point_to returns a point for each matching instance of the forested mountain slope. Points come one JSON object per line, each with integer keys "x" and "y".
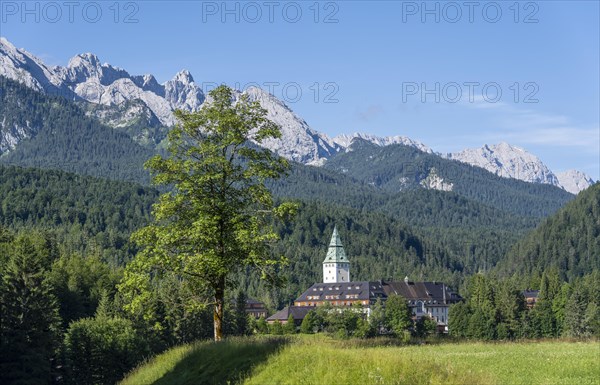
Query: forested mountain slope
{"x": 54, "y": 133}
{"x": 568, "y": 240}
{"x": 476, "y": 233}
{"x": 84, "y": 213}
{"x": 397, "y": 168}
{"x": 92, "y": 215}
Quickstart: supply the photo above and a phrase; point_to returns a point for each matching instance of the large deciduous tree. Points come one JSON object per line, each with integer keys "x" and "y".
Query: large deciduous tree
{"x": 217, "y": 217}
{"x": 398, "y": 315}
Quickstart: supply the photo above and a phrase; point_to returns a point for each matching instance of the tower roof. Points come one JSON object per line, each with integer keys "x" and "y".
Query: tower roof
{"x": 336, "y": 251}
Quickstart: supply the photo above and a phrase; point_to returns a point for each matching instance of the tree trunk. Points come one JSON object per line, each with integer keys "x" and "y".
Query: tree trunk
{"x": 218, "y": 313}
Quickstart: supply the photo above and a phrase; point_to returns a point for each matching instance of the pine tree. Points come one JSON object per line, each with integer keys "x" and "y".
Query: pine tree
{"x": 592, "y": 319}
{"x": 542, "y": 311}
{"x": 510, "y": 305}
{"x": 459, "y": 316}
{"x": 550, "y": 285}
{"x": 558, "y": 307}
{"x": 482, "y": 326}
{"x": 101, "y": 350}
{"x": 29, "y": 320}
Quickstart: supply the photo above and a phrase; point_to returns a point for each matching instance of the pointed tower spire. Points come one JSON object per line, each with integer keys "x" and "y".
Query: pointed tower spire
{"x": 336, "y": 266}
{"x": 335, "y": 238}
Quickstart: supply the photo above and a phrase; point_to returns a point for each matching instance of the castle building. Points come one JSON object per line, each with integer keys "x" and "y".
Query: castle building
{"x": 431, "y": 299}
{"x": 336, "y": 267}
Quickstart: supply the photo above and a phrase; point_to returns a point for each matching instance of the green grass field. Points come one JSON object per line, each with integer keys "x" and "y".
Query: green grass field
{"x": 322, "y": 360}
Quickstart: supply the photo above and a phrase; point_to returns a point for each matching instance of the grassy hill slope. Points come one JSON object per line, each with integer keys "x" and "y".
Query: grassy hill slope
{"x": 322, "y": 360}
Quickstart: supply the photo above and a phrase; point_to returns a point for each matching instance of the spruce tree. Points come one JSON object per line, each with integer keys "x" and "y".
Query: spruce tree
{"x": 240, "y": 316}
{"x": 575, "y": 320}
{"x": 29, "y": 320}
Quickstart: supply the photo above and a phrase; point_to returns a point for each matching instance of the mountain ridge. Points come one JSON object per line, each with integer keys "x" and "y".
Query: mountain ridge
{"x": 114, "y": 94}
{"x": 510, "y": 161}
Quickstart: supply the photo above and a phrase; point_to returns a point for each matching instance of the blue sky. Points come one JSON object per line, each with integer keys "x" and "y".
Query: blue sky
{"x": 375, "y": 66}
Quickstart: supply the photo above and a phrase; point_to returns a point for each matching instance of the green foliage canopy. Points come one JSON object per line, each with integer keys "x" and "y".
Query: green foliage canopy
{"x": 218, "y": 217}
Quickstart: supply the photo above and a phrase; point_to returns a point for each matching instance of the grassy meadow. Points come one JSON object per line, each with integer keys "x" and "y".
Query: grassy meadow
{"x": 323, "y": 360}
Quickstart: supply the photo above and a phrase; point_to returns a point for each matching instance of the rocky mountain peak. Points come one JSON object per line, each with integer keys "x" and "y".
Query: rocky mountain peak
{"x": 574, "y": 181}
{"x": 6, "y": 48}
{"x": 345, "y": 141}
{"x": 184, "y": 76}
{"x": 87, "y": 60}
{"x": 508, "y": 161}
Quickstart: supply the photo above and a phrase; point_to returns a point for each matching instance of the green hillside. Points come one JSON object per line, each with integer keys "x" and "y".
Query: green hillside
{"x": 84, "y": 213}
{"x": 569, "y": 240}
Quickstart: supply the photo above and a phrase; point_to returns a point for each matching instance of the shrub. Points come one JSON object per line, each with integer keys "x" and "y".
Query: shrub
{"x": 276, "y": 328}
